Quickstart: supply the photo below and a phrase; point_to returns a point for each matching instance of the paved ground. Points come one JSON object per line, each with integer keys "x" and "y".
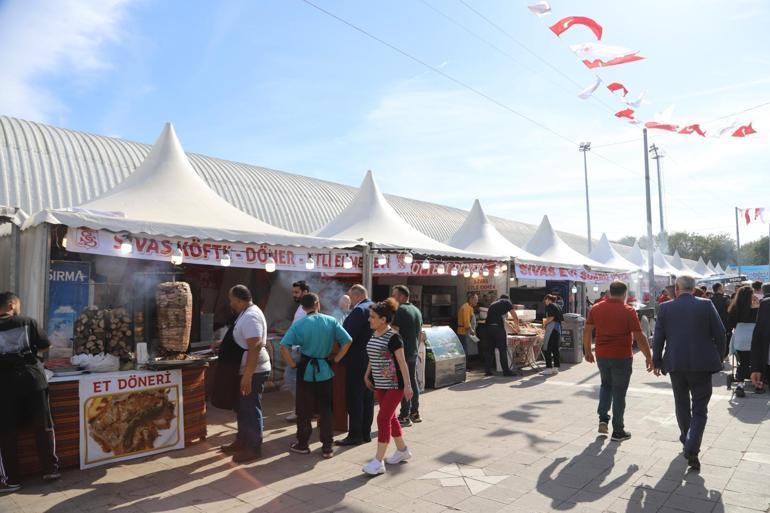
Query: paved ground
{"x": 520, "y": 445}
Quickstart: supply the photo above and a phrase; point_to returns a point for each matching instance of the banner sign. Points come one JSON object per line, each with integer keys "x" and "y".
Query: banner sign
{"x": 68, "y": 290}
{"x": 395, "y": 265}
{"x": 195, "y": 251}
{"x": 549, "y": 272}
{"x": 127, "y": 415}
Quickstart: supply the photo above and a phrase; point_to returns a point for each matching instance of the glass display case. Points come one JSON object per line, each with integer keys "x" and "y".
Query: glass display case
{"x": 444, "y": 359}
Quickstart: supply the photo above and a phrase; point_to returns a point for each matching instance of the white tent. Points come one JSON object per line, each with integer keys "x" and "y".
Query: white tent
{"x": 605, "y": 254}
{"x": 678, "y": 263}
{"x": 719, "y": 271}
{"x": 370, "y": 219}
{"x": 549, "y": 247}
{"x": 165, "y": 196}
{"x": 711, "y": 267}
{"x": 638, "y": 258}
{"x": 702, "y": 269}
{"x": 660, "y": 261}
{"x": 478, "y": 235}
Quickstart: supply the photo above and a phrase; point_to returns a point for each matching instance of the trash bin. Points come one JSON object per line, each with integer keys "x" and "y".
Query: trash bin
{"x": 571, "y": 344}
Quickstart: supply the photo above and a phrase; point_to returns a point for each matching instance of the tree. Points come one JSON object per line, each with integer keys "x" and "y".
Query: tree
{"x": 719, "y": 248}
{"x": 755, "y": 253}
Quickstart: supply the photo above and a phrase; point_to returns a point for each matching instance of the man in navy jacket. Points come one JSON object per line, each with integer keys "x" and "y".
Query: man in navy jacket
{"x": 760, "y": 342}
{"x": 693, "y": 336}
{"x": 360, "y": 400}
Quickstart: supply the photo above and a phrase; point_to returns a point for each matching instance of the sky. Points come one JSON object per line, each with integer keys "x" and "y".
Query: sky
{"x": 492, "y": 113}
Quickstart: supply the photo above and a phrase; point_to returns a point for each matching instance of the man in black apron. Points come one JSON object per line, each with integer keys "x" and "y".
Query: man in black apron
{"x": 242, "y": 369}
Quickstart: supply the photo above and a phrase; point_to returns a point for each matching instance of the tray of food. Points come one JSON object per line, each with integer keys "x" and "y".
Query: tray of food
{"x": 68, "y": 371}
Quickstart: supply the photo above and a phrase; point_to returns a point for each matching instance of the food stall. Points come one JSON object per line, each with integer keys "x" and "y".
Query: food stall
{"x": 126, "y": 282}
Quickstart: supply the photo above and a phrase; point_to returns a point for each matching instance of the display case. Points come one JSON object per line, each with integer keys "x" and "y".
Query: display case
{"x": 444, "y": 359}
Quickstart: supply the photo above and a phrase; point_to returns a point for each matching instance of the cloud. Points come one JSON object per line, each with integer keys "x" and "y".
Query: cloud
{"x": 44, "y": 40}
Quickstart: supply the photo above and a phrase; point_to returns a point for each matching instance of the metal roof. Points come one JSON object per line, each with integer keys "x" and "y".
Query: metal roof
{"x": 42, "y": 166}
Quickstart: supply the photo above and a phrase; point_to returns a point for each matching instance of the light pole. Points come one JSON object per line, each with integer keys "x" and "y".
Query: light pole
{"x": 584, "y": 148}
{"x": 650, "y": 240}
{"x": 657, "y": 155}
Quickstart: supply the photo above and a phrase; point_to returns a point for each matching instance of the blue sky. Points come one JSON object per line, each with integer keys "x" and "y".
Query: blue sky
{"x": 279, "y": 84}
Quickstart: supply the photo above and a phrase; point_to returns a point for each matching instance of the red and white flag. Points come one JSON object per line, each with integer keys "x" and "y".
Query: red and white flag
{"x": 617, "y": 86}
{"x": 744, "y": 130}
{"x": 567, "y": 23}
{"x": 589, "y": 91}
{"x": 598, "y": 55}
{"x": 661, "y": 126}
{"x": 625, "y": 113}
{"x": 754, "y": 215}
{"x": 540, "y": 8}
{"x": 693, "y": 129}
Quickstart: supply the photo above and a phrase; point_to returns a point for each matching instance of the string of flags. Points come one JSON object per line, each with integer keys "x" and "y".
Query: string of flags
{"x": 753, "y": 215}
{"x": 596, "y": 54}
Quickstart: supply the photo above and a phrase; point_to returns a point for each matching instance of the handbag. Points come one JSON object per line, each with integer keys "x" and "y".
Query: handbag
{"x": 741, "y": 339}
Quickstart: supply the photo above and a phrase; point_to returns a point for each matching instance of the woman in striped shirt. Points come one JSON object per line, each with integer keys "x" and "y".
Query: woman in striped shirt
{"x": 385, "y": 376}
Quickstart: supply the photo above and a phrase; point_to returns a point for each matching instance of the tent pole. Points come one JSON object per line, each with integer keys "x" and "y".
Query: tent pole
{"x": 650, "y": 240}
{"x": 737, "y": 242}
{"x": 367, "y": 268}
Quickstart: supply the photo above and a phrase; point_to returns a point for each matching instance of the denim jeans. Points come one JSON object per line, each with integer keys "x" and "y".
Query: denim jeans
{"x": 615, "y": 375}
{"x": 413, "y": 406}
{"x": 249, "y": 413}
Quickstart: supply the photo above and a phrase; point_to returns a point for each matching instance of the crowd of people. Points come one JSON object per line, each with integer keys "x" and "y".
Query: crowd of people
{"x": 377, "y": 343}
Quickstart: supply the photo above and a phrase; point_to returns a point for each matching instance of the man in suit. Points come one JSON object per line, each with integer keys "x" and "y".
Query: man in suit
{"x": 359, "y": 399}
{"x": 692, "y": 334}
{"x": 760, "y": 343}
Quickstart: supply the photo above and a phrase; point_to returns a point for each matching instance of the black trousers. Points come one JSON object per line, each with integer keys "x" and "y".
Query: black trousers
{"x": 21, "y": 408}
{"x": 314, "y": 396}
{"x": 551, "y": 351}
{"x": 497, "y": 339}
{"x": 360, "y": 404}
{"x": 692, "y": 393}
{"x": 412, "y": 406}
{"x": 744, "y": 365}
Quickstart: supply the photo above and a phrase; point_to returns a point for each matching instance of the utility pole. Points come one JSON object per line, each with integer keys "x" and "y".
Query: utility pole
{"x": 650, "y": 240}
{"x": 657, "y": 155}
{"x": 738, "y": 243}
{"x": 584, "y": 148}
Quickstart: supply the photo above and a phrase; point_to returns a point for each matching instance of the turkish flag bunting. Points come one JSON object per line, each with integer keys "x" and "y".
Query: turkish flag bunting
{"x": 565, "y": 24}
{"x": 754, "y": 215}
{"x": 661, "y": 126}
{"x": 617, "y": 86}
{"x": 744, "y": 130}
{"x": 599, "y": 55}
{"x": 693, "y": 129}
{"x": 625, "y": 113}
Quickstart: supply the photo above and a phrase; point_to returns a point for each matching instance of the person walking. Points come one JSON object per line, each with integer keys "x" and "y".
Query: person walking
{"x": 359, "y": 399}
{"x": 688, "y": 344}
{"x": 408, "y": 323}
{"x": 242, "y": 352}
{"x": 465, "y": 324}
{"x": 721, "y": 303}
{"x": 741, "y": 319}
{"x": 315, "y": 335}
{"x": 552, "y": 323}
{"x": 760, "y": 343}
{"x": 616, "y": 326}
{"x": 385, "y": 377}
{"x": 24, "y": 397}
{"x": 497, "y": 337}
{"x": 298, "y": 290}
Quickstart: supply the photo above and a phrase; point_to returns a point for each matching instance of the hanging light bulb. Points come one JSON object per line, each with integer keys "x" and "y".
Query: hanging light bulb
{"x": 177, "y": 256}
{"x": 497, "y": 271}
{"x": 467, "y": 272}
{"x": 574, "y": 289}
{"x": 225, "y": 261}
{"x": 408, "y": 258}
{"x": 596, "y": 288}
{"x": 126, "y": 246}
{"x": 441, "y": 268}
{"x": 474, "y": 274}
{"x": 310, "y": 263}
{"x": 485, "y": 272}
{"x": 382, "y": 259}
{"x": 455, "y": 271}
{"x": 640, "y": 275}
{"x": 64, "y": 241}
{"x": 347, "y": 263}
{"x": 270, "y": 264}
{"x": 425, "y": 264}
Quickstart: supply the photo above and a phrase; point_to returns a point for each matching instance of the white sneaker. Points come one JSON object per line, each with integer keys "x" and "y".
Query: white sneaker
{"x": 399, "y": 456}
{"x": 547, "y": 372}
{"x": 555, "y": 370}
{"x": 374, "y": 467}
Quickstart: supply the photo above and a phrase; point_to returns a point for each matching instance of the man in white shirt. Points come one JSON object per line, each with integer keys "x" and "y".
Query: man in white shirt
{"x": 298, "y": 289}
{"x": 249, "y": 333}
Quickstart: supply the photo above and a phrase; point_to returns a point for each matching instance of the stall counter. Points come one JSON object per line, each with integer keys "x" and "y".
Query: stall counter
{"x": 65, "y": 409}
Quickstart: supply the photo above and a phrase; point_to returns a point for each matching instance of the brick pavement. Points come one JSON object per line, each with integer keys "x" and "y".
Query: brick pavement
{"x": 522, "y": 445}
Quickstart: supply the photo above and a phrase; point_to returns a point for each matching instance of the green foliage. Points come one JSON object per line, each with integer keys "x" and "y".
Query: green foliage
{"x": 755, "y": 253}
{"x": 719, "y": 248}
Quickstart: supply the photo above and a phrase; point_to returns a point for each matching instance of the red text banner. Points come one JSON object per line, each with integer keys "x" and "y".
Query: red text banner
{"x": 555, "y": 273}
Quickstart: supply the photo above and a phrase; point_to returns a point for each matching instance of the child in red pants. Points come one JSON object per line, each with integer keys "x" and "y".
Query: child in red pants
{"x": 385, "y": 376}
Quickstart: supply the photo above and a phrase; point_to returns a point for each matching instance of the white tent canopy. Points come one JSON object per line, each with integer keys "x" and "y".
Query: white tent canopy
{"x": 678, "y": 263}
{"x": 711, "y": 267}
{"x": 660, "y": 261}
{"x": 478, "y": 235}
{"x": 638, "y": 258}
{"x": 370, "y": 219}
{"x": 549, "y": 247}
{"x": 605, "y": 254}
{"x": 165, "y": 196}
{"x": 702, "y": 269}
{"x": 719, "y": 269}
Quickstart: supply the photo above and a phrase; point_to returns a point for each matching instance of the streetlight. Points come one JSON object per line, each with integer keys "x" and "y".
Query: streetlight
{"x": 584, "y": 148}
{"x": 657, "y": 154}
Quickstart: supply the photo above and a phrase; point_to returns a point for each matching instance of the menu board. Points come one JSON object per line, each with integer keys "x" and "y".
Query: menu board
{"x": 126, "y": 415}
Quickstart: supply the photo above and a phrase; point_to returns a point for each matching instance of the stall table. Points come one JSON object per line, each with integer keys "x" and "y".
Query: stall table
{"x": 524, "y": 350}
{"x": 65, "y": 408}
